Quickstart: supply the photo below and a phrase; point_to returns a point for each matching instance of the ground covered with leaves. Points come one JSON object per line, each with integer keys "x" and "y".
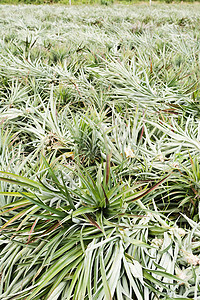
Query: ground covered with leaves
{"x": 99, "y": 152}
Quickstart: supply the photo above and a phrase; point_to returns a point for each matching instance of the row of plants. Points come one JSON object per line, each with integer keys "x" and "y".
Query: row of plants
{"x": 99, "y": 152}
{"x": 79, "y": 2}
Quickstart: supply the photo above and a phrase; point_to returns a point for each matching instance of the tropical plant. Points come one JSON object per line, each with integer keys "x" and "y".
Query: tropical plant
{"x": 99, "y": 152}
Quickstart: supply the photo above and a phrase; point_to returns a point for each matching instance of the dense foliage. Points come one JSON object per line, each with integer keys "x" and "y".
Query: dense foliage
{"x": 99, "y": 152}
{"x": 80, "y": 2}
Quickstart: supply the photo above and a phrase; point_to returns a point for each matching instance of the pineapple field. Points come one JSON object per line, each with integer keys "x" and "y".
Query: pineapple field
{"x": 100, "y": 152}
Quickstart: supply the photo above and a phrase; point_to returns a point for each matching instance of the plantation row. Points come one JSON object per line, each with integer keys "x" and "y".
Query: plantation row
{"x": 102, "y": 2}
{"x": 99, "y": 152}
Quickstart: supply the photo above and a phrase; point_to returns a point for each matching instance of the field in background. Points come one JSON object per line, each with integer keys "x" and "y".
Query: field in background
{"x": 93, "y": 2}
{"x": 99, "y": 152}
